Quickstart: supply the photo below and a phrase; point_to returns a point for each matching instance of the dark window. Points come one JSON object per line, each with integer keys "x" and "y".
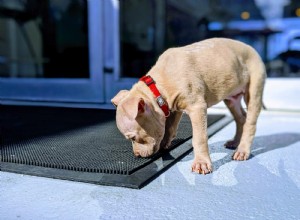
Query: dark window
{"x": 46, "y": 39}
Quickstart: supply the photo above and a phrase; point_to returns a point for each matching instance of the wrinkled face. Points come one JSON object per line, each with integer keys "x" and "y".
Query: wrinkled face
{"x": 145, "y": 131}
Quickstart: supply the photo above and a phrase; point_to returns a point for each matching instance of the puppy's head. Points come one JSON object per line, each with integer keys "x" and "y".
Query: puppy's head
{"x": 138, "y": 122}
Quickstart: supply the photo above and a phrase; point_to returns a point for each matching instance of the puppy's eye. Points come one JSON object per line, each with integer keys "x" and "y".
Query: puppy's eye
{"x": 132, "y": 139}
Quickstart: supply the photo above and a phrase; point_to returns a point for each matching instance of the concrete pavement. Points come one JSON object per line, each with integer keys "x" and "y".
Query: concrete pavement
{"x": 267, "y": 186}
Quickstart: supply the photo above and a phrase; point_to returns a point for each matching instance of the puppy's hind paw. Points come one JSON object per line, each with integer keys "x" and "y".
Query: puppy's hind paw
{"x": 232, "y": 144}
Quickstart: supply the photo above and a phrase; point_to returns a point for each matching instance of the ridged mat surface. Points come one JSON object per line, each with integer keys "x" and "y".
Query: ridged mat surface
{"x": 85, "y": 140}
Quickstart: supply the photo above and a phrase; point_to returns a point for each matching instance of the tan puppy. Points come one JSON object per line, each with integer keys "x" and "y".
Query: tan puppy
{"x": 191, "y": 79}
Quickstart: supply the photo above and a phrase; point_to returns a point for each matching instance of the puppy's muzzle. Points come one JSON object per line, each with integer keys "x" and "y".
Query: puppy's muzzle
{"x": 145, "y": 151}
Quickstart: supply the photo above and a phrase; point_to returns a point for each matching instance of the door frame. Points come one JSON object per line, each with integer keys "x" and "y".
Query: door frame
{"x": 114, "y": 82}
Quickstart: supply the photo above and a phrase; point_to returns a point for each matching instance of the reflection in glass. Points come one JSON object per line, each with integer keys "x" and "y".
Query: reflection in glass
{"x": 44, "y": 39}
{"x": 148, "y": 27}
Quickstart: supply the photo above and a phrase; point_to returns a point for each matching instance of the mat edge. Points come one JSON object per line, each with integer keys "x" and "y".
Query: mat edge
{"x": 135, "y": 180}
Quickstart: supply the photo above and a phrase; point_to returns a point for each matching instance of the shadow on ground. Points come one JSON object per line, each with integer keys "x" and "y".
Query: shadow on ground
{"x": 260, "y": 145}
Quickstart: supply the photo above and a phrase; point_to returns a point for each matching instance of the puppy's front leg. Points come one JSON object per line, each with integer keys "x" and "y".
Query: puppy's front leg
{"x": 171, "y": 129}
{"x": 202, "y": 163}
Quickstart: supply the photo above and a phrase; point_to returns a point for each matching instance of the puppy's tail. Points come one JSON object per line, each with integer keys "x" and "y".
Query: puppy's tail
{"x": 257, "y": 81}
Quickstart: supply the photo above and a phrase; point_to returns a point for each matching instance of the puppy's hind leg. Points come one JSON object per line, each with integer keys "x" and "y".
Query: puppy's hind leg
{"x": 239, "y": 115}
{"x": 254, "y": 105}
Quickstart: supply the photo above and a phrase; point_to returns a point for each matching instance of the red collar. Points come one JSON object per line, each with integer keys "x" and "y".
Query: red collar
{"x": 159, "y": 99}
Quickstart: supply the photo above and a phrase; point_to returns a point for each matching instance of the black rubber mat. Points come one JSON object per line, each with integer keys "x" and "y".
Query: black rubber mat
{"x": 79, "y": 144}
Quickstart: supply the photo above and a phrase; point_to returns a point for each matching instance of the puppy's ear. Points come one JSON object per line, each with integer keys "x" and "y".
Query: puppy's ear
{"x": 134, "y": 107}
{"x": 121, "y": 95}
{"x": 141, "y": 106}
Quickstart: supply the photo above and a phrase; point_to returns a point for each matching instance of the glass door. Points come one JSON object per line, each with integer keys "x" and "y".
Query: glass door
{"x": 138, "y": 31}
{"x": 133, "y": 39}
{"x": 51, "y": 51}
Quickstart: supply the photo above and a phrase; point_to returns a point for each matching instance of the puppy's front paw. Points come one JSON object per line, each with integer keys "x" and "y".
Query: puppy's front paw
{"x": 202, "y": 166}
{"x": 166, "y": 143}
{"x": 241, "y": 155}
